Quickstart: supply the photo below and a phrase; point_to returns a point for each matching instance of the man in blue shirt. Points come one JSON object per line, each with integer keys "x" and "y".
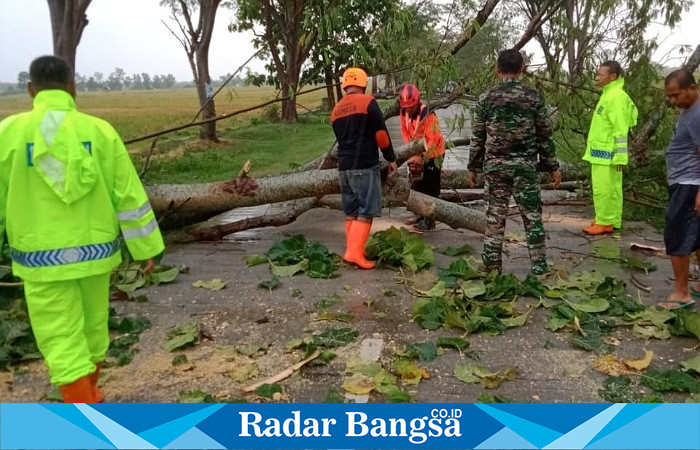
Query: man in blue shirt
{"x": 682, "y": 232}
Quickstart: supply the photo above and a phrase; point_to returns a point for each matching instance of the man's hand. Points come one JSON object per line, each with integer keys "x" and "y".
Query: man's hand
{"x": 697, "y": 203}
{"x": 620, "y": 167}
{"x": 471, "y": 179}
{"x": 392, "y": 169}
{"x": 556, "y": 178}
{"x": 148, "y": 266}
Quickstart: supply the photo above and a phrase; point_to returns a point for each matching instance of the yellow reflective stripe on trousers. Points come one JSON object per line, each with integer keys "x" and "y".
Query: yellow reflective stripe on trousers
{"x": 142, "y": 231}
{"x": 135, "y": 214}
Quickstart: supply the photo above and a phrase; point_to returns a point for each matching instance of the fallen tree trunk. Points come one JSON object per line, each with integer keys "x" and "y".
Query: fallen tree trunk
{"x": 452, "y": 214}
{"x": 211, "y": 231}
{"x": 184, "y": 204}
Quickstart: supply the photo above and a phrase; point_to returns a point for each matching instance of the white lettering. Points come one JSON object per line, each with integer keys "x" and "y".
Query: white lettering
{"x": 435, "y": 428}
{"x": 245, "y": 423}
{"x": 452, "y": 430}
{"x": 352, "y": 423}
{"x": 393, "y": 423}
{"x": 326, "y": 425}
{"x": 416, "y": 426}
{"x": 294, "y": 422}
{"x": 273, "y": 429}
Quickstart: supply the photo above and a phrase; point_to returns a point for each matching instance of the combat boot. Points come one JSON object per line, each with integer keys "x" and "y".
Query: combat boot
{"x": 79, "y": 391}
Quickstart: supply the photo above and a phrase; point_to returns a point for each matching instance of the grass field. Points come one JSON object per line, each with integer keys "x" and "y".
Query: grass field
{"x": 180, "y": 157}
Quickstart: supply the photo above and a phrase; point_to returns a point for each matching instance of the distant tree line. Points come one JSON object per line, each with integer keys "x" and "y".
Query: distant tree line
{"x": 118, "y": 80}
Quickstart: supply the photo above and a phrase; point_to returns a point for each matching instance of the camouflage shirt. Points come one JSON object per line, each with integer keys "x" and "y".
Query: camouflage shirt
{"x": 511, "y": 127}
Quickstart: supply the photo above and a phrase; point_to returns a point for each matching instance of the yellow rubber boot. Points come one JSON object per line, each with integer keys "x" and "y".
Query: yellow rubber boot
{"x": 357, "y": 239}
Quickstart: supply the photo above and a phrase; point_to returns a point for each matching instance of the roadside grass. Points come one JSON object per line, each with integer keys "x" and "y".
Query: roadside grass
{"x": 271, "y": 148}
{"x": 137, "y": 113}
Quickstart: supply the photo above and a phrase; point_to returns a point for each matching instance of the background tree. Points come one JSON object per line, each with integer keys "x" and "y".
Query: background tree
{"x": 195, "y": 33}
{"x": 22, "y": 80}
{"x": 68, "y": 20}
{"x": 288, "y": 30}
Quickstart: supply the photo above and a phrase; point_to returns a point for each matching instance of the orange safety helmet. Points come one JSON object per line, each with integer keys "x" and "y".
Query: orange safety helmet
{"x": 409, "y": 97}
{"x": 354, "y": 76}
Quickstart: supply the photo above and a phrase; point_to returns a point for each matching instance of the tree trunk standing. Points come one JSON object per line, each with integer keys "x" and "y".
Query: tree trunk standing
{"x": 68, "y": 20}
{"x": 375, "y": 88}
{"x": 195, "y": 38}
{"x": 328, "y": 74}
{"x": 289, "y": 106}
{"x": 639, "y": 147}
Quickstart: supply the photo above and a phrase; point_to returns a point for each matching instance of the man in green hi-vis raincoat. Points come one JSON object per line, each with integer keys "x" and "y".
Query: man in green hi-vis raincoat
{"x": 68, "y": 189}
{"x": 606, "y": 148}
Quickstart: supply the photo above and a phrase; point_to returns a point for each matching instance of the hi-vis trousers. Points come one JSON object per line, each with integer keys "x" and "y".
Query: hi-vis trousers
{"x": 69, "y": 320}
{"x": 606, "y": 182}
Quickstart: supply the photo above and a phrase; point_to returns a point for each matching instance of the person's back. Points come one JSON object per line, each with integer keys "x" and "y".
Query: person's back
{"x": 359, "y": 126}
{"x": 514, "y": 125}
{"x": 512, "y": 142}
{"x": 68, "y": 190}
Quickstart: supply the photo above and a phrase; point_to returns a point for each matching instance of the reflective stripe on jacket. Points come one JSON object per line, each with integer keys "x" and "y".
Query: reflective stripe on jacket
{"x": 68, "y": 190}
{"x": 613, "y": 117}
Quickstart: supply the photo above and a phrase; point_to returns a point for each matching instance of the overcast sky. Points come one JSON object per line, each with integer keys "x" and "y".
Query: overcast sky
{"x": 129, "y": 34}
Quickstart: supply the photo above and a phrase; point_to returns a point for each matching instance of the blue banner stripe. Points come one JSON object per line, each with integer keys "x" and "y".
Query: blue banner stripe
{"x": 360, "y": 426}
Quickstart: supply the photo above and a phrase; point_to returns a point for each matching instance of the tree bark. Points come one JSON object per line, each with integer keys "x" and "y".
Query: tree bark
{"x": 639, "y": 147}
{"x": 207, "y": 18}
{"x": 68, "y": 20}
{"x": 481, "y": 16}
{"x": 328, "y": 75}
{"x": 205, "y": 231}
{"x": 453, "y": 215}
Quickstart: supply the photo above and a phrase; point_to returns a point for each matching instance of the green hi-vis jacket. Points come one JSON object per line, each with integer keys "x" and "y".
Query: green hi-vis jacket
{"x": 613, "y": 117}
{"x": 68, "y": 189}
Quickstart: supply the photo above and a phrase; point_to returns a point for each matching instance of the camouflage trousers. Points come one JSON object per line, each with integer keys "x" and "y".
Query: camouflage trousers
{"x": 500, "y": 182}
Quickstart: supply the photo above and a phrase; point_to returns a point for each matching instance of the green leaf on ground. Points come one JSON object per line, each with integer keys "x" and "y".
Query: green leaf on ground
{"x": 469, "y": 373}
{"x": 517, "y": 321}
{"x": 424, "y": 352}
{"x": 557, "y": 323}
{"x": 244, "y": 372}
{"x": 618, "y": 390}
{"x": 270, "y": 284}
{"x": 332, "y": 337}
{"x": 197, "y": 396}
{"x": 182, "y": 336}
{"x": 325, "y": 303}
{"x": 496, "y": 398}
{"x": 290, "y": 270}
{"x": 163, "y": 275}
{"x": 339, "y": 317}
{"x": 430, "y": 314}
{"x": 179, "y": 360}
{"x": 409, "y": 371}
{"x": 333, "y": 396}
{"x": 268, "y": 390}
{"x": 215, "y": 284}
{"x": 252, "y": 349}
{"x": 453, "y": 342}
{"x": 636, "y": 263}
{"x": 670, "y": 380}
{"x": 692, "y": 364}
{"x": 590, "y": 305}
{"x": 457, "y": 251}
{"x": 254, "y": 260}
{"x": 473, "y": 288}
{"x": 437, "y": 291}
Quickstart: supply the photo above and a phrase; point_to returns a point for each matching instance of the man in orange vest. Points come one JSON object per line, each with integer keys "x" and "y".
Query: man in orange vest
{"x": 359, "y": 126}
{"x": 418, "y": 122}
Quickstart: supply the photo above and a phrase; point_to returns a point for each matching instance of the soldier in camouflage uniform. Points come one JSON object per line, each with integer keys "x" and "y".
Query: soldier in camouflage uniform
{"x": 512, "y": 142}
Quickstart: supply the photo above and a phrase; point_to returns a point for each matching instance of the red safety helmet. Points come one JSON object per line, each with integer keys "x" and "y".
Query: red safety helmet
{"x": 409, "y": 97}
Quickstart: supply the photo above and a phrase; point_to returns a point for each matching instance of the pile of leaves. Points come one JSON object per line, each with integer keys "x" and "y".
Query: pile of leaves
{"x": 127, "y": 331}
{"x": 128, "y": 277}
{"x": 474, "y": 301}
{"x": 399, "y": 248}
{"x": 17, "y": 342}
{"x": 323, "y": 342}
{"x": 295, "y": 254}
